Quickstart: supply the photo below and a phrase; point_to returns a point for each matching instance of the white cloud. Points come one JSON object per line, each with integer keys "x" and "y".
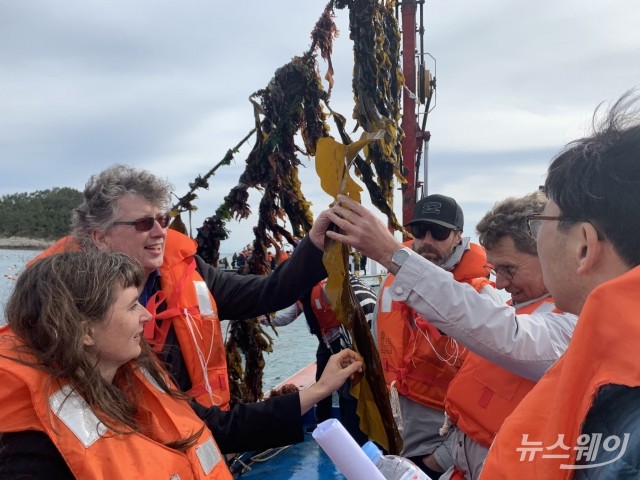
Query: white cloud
{"x": 164, "y": 85}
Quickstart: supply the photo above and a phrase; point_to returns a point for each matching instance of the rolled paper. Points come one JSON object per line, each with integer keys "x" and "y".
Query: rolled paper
{"x": 344, "y": 451}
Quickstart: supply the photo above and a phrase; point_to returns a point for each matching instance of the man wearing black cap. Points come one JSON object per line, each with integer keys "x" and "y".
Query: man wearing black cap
{"x": 418, "y": 360}
{"x": 437, "y": 229}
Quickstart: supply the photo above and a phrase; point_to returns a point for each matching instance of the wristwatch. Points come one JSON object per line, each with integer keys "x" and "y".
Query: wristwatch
{"x": 398, "y": 258}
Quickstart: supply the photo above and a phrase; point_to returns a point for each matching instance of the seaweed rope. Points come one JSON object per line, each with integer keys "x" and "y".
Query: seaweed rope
{"x": 295, "y": 105}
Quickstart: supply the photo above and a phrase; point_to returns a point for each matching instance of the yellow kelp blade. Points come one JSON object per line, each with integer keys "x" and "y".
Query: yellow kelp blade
{"x": 353, "y": 148}
{"x": 374, "y": 407}
{"x": 332, "y": 169}
{"x": 333, "y": 160}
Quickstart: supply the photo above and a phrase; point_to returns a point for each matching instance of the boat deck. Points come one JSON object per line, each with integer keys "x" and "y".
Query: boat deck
{"x": 305, "y": 460}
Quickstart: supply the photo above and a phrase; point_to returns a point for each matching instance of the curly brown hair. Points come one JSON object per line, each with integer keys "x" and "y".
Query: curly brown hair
{"x": 53, "y": 305}
{"x": 509, "y": 218}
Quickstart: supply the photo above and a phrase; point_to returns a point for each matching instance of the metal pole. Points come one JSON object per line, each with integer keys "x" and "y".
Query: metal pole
{"x": 409, "y": 108}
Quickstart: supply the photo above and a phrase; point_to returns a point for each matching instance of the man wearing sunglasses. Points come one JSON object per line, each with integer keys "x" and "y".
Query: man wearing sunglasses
{"x": 418, "y": 360}
{"x": 124, "y": 210}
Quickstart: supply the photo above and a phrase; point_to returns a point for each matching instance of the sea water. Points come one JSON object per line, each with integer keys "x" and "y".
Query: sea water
{"x": 293, "y": 348}
{"x": 12, "y": 262}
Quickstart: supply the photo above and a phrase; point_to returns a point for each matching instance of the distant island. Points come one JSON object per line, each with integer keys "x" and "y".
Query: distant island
{"x": 35, "y": 220}
{"x": 21, "y": 243}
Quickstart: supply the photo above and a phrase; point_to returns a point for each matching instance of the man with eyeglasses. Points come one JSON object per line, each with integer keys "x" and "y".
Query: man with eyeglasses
{"x": 124, "y": 210}
{"x": 419, "y": 361}
{"x": 483, "y": 393}
{"x": 584, "y": 414}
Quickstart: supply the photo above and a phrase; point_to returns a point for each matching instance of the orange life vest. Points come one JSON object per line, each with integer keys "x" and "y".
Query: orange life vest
{"x": 483, "y": 394}
{"x": 325, "y": 315}
{"x": 281, "y": 256}
{"x": 193, "y": 313}
{"x": 601, "y": 352}
{"x": 64, "y": 245}
{"x": 412, "y": 350}
{"x": 32, "y": 400}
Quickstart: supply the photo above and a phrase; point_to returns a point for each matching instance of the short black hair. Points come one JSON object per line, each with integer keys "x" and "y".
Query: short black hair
{"x": 597, "y": 178}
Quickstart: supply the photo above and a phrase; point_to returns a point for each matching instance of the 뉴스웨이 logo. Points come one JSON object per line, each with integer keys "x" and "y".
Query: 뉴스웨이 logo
{"x": 587, "y": 449}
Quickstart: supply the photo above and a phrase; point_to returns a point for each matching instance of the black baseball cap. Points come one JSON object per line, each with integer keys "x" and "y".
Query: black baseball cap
{"x": 438, "y": 209}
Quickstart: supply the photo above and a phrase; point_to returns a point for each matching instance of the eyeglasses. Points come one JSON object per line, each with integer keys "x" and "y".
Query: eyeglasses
{"x": 507, "y": 271}
{"x": 534, "y": 222}
{"x": 145, "y": 224}
{"x": 438, "y": 232}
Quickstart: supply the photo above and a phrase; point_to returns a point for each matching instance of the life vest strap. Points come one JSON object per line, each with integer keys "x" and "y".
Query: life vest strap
{"x": 157, "y": 329}
{"x": 402, "y": 374}
{"x": 219, "y": 383}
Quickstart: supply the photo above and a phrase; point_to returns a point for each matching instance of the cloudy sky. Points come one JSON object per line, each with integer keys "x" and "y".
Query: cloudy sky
{"x": 163, "y": 85}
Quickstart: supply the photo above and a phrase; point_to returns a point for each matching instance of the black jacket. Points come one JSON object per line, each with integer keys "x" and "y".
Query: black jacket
{"x": 245, "y": 296}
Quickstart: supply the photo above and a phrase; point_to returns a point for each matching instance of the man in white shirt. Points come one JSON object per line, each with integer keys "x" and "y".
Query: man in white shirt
{"x": 525, "y": 344}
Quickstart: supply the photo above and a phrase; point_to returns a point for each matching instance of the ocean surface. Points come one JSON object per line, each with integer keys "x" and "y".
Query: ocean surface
{"x": 11, "y": 264}
{"x": 293, "y": 348}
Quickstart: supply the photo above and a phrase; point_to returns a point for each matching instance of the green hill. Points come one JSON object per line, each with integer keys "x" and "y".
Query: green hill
{"x": 44, "y": 214}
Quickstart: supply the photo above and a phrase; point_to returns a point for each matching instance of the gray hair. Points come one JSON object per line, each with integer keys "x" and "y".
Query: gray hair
{"x": 509, "y": 218}
{"x": 102, "y": 192}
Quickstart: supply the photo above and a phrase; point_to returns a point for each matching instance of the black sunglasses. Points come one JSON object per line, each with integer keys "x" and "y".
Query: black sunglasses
{"x": 438, "y": 232}
{"x": 145, "y": 224}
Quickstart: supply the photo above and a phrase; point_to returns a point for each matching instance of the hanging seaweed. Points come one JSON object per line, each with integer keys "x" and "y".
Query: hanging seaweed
{"x": 377, "y": 110}
{"x": 293, "y": 104}
{"x": 213, "y": 230}
{"x": 377, "y": 87}
{"x": 333, "y": 162}
{"x": 246, "y": 340}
